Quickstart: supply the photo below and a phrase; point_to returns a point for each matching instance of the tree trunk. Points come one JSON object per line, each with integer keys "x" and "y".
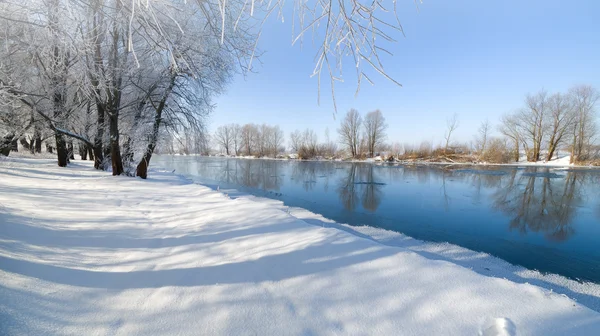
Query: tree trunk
{"x": 14, "y": 145}
{"x": 83, "y": 151}
{"x": 115, "y": 149}
{"x": 572, "y": 158}
{"x": 27, "y": 145}
{"x": 128, "y": 152}
{"x": 142, "y": 167}
{"x": 71, "y": 150}
{"x": 48, "y": 148}
{"x": 61, "y": 149}
{"x": 90, "y": 151}
{"x": 5, "y": 144}
{"x": 98, "y": 156}
{"x": 4, "y": 150}
{"x": 24, "y": 143}
{"x": 37, "y": 136}
{"x": 127, "y": 147}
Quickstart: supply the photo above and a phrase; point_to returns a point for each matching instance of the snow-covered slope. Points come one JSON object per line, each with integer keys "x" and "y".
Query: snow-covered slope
{"x": 82, "y": 252}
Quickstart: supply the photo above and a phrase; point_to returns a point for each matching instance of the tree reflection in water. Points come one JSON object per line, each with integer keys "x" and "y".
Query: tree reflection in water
{"x": 360, "y": 184}
{"x": 540, "y": 203}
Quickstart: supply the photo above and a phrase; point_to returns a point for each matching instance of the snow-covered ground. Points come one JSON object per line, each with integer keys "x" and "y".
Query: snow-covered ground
{"x": 82, "y": 252}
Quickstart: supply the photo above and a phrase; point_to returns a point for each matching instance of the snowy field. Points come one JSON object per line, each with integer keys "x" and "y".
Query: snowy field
{"x": 85, "y": 253}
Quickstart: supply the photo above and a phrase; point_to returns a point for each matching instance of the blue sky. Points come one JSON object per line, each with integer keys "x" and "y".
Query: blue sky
{"x": 477, "y": 59}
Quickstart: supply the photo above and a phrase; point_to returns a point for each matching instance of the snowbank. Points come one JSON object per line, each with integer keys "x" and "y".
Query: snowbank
{"x": 82, "y": 252}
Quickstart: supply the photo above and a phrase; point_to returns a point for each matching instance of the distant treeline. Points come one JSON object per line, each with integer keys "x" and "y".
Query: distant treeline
{"x": 545, "y": 123}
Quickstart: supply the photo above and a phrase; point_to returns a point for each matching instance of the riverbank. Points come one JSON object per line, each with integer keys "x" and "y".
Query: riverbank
{"x": 82, "y": 252}
{"x": 562, "y": 162}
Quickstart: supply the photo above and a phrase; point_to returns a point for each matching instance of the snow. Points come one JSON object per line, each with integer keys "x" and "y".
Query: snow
{"x": 82, "y": 252}
{"x": 562, "y": 161}
{"x": 585, "y": 293}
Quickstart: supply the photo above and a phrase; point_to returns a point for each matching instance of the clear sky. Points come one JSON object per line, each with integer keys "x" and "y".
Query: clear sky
{"x": 475, "y": 58}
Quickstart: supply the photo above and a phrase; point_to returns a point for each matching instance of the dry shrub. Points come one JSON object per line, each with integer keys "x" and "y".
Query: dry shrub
{"x": 496, "y": 152}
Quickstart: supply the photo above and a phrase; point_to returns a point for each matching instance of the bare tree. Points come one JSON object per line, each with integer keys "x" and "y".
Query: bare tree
{"x": 561, "y": 113}
{"x": 375, "y": 127}
{"x": 584, "y": 99}
{"x": 349, "y": 131}
{"x": 224, "y": 137}
{"x": 296, "y": 141}
{"x": 481, "y": 140}
{"x": 451, "y": 126}
{"x": 306, "y": 144}
{"x": 236, "y": 136}
{"x": 249, "y": 138}
{"x": 532, "y": 121}
{"x": 310, "y": 142}
{"x": 509, "y": 127}
{"x": 276, "y": 140}
{"x": 328, "y": 147}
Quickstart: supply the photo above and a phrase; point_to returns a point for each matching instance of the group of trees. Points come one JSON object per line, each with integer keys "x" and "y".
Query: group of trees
{"x": 548, "y": 122}
{"x": 112, "y": 75}
{"x": 359, "y": 138}
{"x": 306, "y": 144}
{"x": 363, "y": 137}
{"x": 250, "y": 139}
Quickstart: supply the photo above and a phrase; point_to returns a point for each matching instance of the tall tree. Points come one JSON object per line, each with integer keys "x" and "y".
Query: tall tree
{"x": 249, "y": 138}
{"x": 482, "y": 138}
{"x": 224, "y": 137}
{"x": 236, "y": 136}
{"x": 533, "y": 121}
{"x": 509, "y": 127}
{"x": 349, "y": 131}
{"x": 561, "y": 114}
{"x": 584, "y": 99}
{"x": 296, "y": 141}
{"x": 375, "y": 127}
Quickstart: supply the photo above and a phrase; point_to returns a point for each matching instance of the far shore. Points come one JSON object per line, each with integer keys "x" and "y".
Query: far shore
{"x": 562, "y": 162}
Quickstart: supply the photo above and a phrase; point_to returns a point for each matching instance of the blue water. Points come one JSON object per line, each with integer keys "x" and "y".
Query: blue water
{"x": 539, "y": 218}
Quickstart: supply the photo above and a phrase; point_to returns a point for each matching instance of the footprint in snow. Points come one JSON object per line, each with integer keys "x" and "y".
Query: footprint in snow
{"x": 500, "y": 326}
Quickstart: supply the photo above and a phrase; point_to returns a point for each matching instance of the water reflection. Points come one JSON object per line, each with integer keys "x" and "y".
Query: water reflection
{"x": 260, "y": 174}
{"x": 540, "y": 204}
{"x": 306, "y": 174}
{"x": 534, "y": 200}
{"x": 360, "y": 185}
